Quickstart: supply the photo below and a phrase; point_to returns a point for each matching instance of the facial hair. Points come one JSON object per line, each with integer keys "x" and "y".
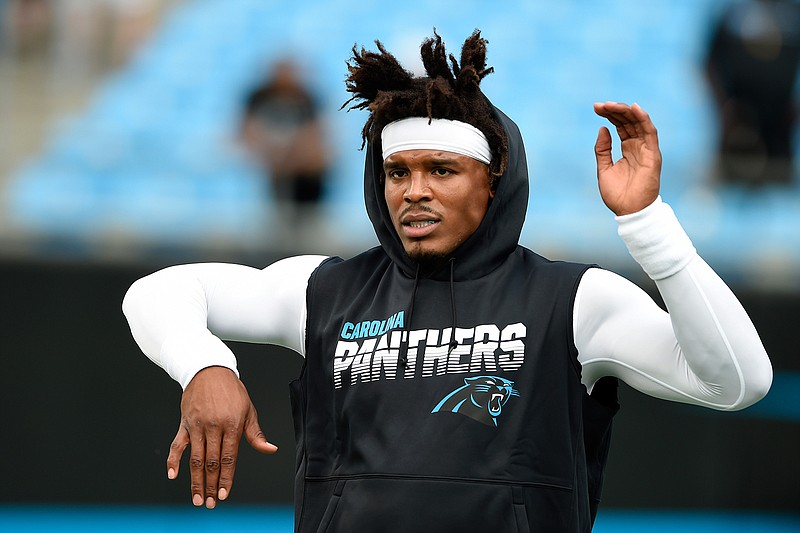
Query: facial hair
{"x": 428, "y": 261}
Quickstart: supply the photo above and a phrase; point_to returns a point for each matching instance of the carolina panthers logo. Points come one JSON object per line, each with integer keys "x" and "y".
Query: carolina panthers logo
{"x": 481, "y": 398}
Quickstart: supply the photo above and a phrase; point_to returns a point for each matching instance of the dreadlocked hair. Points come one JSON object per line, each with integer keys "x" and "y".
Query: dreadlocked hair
{"x": 451, "y": 90}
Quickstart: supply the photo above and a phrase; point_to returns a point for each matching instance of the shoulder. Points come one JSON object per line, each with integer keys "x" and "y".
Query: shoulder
{"x": 354, "y": 270}
{"x": 365, "y": 261}
{"x": 600, "y": 279}
{"x": 550, "y": 266}
{"x": 337, "y": 279}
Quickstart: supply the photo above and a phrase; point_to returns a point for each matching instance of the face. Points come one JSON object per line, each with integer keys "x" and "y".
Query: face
{"x": 436, "y": 200}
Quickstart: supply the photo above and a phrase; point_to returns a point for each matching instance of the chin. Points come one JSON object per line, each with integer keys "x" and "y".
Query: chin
{"x": 428, "y": 259}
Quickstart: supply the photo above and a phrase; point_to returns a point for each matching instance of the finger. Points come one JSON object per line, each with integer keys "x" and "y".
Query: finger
{"x": 644, "y": 124}
{"x": 615, "y": 120}
{"x": 625, "y": 124}
{"x": 635, "y": 119}
{"x": 228, "y": 455}
{"x": 631, "y": 121}
{"x": 622, "y": 124}
{"x": 256, "y": 437}
{"x": 611, "y": 110}
{"x": 197, "y": 461}
{"x": 602, "y": 150}
{"x": 179, "y": 444}
{"x": 212, "y": 466}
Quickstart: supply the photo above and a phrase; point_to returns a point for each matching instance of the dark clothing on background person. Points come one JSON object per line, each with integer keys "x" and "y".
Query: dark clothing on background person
{"x": 752, "y": 65}
{"x": 282, "y": 129}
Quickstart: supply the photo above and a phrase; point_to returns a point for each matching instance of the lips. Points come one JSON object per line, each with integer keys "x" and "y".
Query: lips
{"x": 418, "y": 225}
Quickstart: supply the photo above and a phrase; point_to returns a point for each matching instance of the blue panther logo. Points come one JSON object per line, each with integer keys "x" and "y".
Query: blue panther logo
{"x": 481, "y": 398}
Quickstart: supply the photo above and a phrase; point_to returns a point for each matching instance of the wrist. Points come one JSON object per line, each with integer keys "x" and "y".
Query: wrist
{"x": 188, "y": 354}
{"x": 656, "y": 240}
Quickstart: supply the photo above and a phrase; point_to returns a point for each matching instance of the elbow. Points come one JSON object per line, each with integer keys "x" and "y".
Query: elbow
{"x": 138, "y": 304}
{"x": 757, "y": 384}
{"x": 139, "y": 315}
{"x": 131, "y": 299}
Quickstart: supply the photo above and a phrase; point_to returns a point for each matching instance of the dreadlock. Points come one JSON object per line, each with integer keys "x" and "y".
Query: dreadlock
{"x": 450, "y": 90}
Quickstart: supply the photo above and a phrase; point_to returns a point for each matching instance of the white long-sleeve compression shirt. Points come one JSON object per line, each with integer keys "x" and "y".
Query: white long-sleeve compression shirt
{"x": 705, "y": 351}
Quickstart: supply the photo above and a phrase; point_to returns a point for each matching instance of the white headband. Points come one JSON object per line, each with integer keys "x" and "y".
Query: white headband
{"x": 441, "y": 134}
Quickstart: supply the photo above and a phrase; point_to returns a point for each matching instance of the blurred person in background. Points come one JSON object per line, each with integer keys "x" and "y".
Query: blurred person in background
{"x": 27, "y": 26}
{"x": 752, "y": 68}
{"x": 453, "y": 379}
{"x": 283, "y": 131}
{"x": 53, "y": 55}
{"x": 105, "y": 32}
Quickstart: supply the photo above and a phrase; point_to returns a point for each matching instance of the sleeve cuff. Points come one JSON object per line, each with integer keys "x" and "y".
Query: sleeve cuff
{"x": 656, "y": 240}
{"x": 189, "y": 354}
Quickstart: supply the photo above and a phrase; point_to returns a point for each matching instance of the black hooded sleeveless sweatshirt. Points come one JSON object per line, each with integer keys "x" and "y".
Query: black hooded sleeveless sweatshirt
{"x": 453, "y": 402}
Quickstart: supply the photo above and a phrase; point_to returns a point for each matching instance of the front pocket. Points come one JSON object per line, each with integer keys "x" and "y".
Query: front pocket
{"x": 402, "y": 505}
{"x": 330, "y": 511}
{"x": 521, "y": 516}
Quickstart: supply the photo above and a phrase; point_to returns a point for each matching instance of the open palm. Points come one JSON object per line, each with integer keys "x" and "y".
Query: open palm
{"x": 632, "y": 183}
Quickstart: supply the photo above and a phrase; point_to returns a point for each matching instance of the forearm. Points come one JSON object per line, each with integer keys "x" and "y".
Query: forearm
{"x": 718, "y": 347}
{"x": 716, "y": 335}
{"x": 167, "y": 315}
{"x": 178, "y": 315}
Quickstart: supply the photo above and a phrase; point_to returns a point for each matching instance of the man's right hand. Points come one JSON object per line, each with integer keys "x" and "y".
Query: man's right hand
{"x": 215, "y": 410}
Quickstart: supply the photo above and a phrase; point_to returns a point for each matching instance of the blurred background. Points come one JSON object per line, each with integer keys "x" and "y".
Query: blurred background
{"x": 137, "y": 134}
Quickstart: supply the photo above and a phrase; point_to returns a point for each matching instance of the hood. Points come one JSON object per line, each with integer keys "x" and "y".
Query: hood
{"x": 493, "y": 241}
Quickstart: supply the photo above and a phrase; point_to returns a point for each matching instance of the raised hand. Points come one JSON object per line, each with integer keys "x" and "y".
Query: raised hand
{"x": 633, "y": 182}
{"x": 215, "y": 410}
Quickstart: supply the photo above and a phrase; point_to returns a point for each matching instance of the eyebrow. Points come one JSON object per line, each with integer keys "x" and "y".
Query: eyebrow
{"x": 444, "y": 160}
{"x": 434, "y": 161}
{"x": 391, "y": 164}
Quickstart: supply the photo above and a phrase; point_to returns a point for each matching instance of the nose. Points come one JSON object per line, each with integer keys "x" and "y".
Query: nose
{"x": 418, "y": 188}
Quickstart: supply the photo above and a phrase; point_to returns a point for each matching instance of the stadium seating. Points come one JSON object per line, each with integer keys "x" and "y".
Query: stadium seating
{"x": 153, "y": 158}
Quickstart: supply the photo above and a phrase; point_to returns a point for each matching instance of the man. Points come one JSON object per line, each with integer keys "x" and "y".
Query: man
{"x": 453, "y": 380}
{"x": 752, "y": 65}
{"x": 282, "y": 129}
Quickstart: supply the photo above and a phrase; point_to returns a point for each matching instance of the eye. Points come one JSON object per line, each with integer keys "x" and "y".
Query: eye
{"x": 441, "y": 172}
{"x": 397, "y": 173}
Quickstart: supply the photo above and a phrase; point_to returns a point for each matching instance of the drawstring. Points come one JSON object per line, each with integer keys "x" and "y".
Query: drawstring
{"x": 453, "y": 342}
{"x": 404, "y": 342}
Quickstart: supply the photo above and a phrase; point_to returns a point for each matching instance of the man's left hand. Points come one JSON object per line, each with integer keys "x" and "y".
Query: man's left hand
{"x": 632, "y": 183}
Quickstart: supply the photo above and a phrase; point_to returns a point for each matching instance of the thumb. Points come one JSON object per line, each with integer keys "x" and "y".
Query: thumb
{"x": 256, "y": 437}
{"x": 176, "y": 449}
{"x": 602, "y": 150}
